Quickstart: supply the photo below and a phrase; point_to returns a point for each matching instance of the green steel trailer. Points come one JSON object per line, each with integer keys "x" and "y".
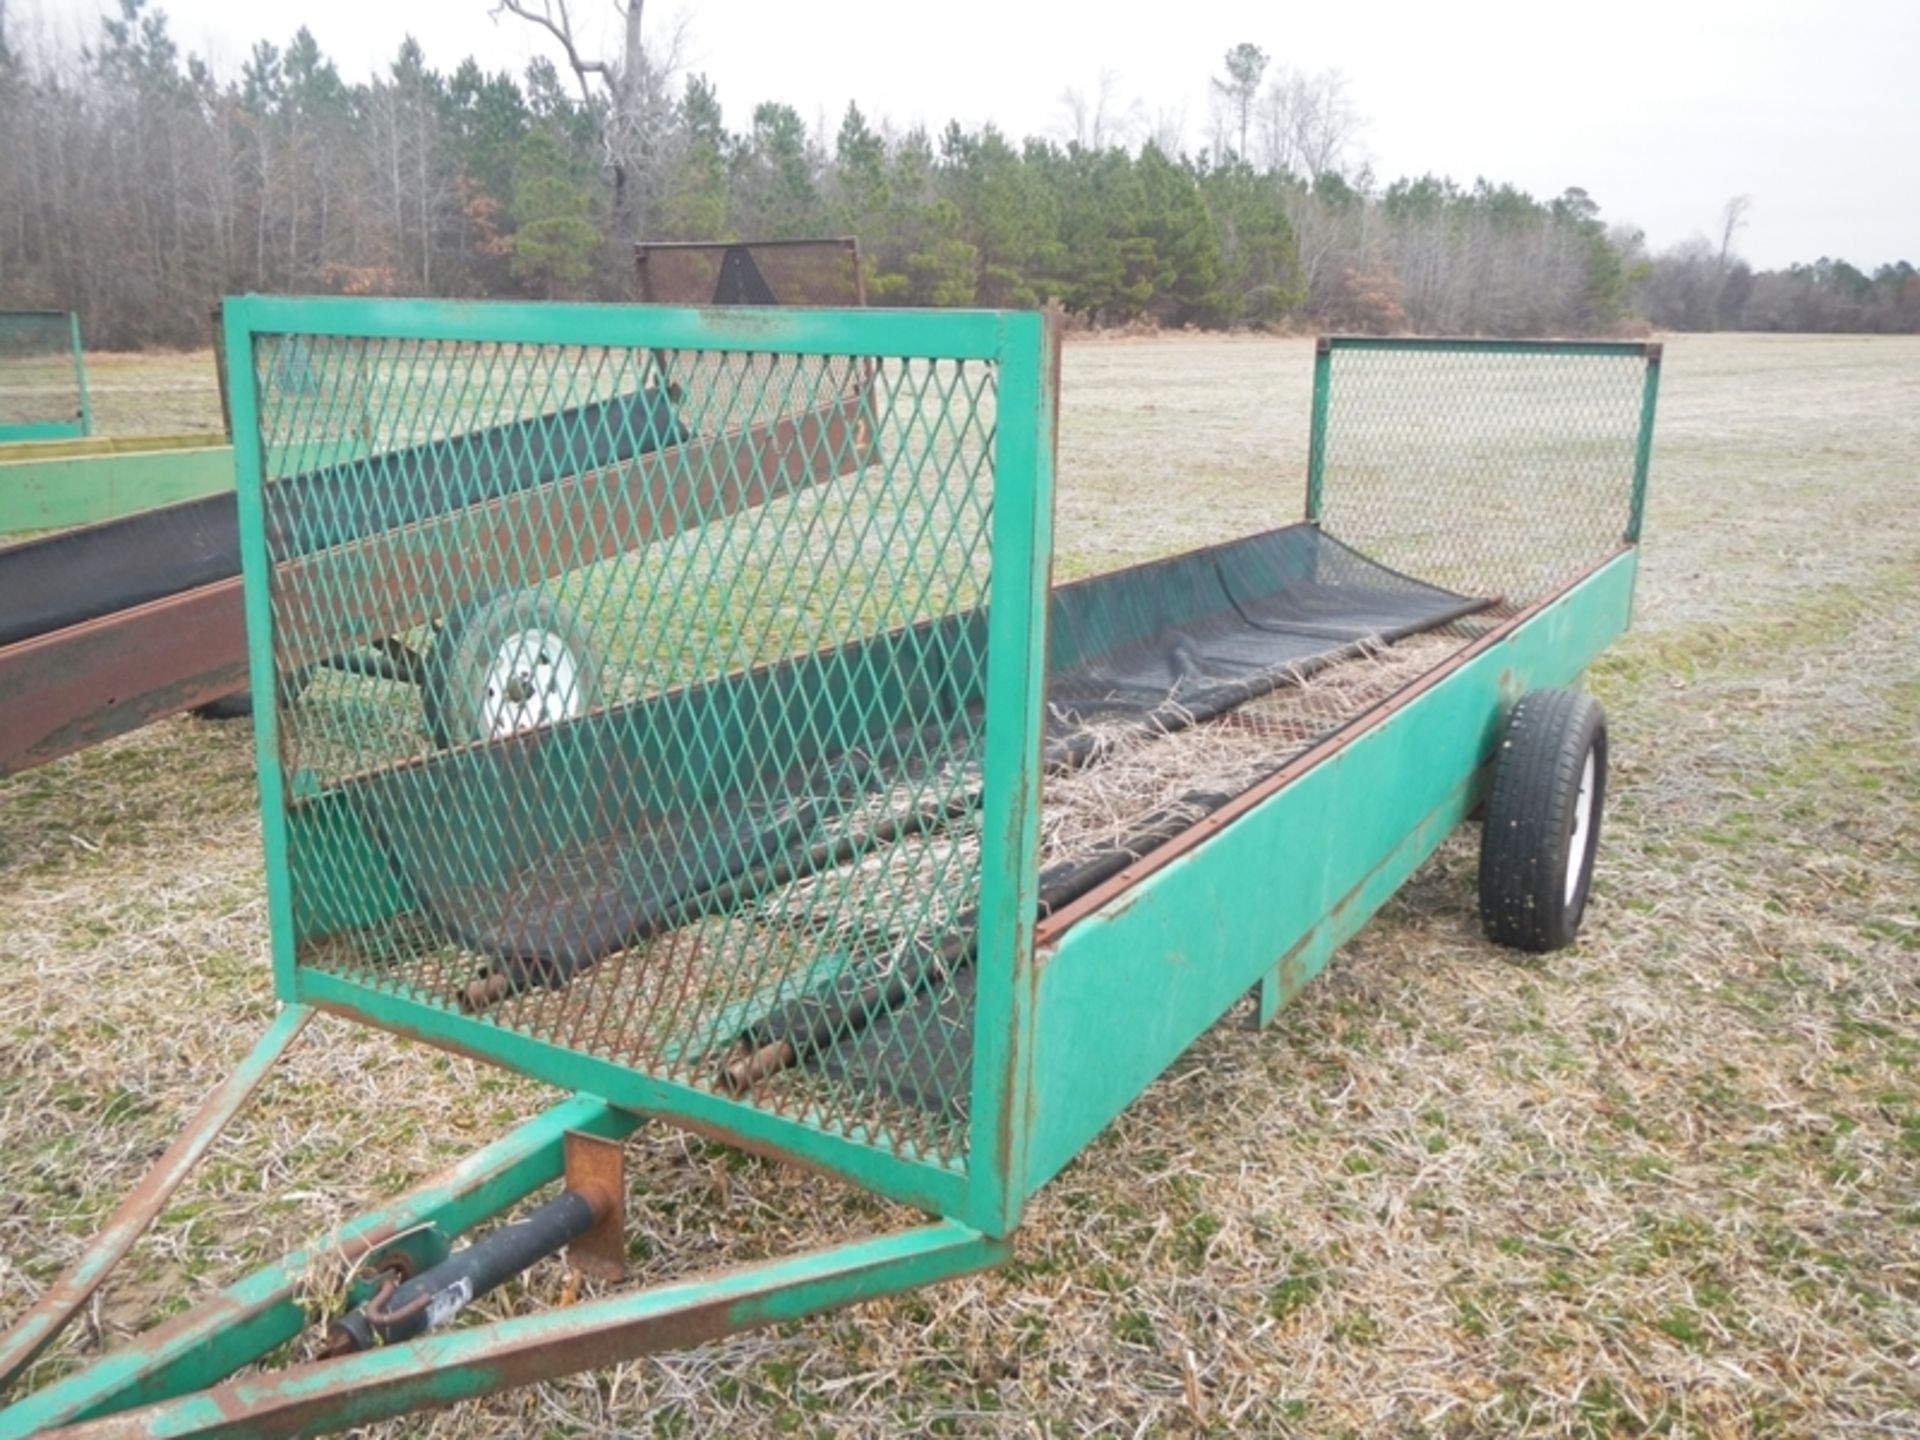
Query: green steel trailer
{"x": 799, "y": 862}
{"x": 54, "y": 471}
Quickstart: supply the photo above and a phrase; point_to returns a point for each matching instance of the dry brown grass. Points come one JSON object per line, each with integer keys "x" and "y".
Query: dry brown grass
{"x": 1665, "y": 1182}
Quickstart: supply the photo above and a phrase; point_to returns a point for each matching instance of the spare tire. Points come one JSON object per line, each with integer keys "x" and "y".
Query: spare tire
{"x": 510, "y": 664}
{"x": 239, "y": 705}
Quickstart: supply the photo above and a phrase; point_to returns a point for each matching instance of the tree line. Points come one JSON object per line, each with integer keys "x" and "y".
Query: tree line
{"x": 140, "y": 186}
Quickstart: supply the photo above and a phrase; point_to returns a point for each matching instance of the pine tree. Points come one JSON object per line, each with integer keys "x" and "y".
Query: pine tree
{"x": 696, "y": 200}
{"x": 1259, "y": 262}
{"x": 553, "y": 242}
{"x": 1186, "y": 247}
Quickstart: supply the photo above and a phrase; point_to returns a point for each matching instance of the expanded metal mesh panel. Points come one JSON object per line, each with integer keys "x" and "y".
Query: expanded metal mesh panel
{"x": 38, "y": 383}
{"x": 779, "y": 272}
{"x": 633, "y": 696}
{"x": 1495, "y": 468}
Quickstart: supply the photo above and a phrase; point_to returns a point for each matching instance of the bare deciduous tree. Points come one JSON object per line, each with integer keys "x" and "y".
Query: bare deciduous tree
{"x": 1733, "y": 218}
{"x": 631, "y": 94}
{"x": 1308, "y": 123}
{"x": 1098, "y": 122}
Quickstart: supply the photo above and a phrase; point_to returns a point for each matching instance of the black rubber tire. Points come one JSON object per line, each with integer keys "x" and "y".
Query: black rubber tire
{"x": 455, "y": 686}
{"x": 1528, "y": 844}
{"x": 239, "y": 705}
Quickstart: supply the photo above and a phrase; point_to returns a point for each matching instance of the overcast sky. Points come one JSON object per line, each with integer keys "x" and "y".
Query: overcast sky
{"x": 1661, "y": 109}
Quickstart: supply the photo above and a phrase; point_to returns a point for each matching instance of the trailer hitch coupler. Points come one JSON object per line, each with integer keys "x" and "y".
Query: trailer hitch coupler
{"x": 404, "y": 1309}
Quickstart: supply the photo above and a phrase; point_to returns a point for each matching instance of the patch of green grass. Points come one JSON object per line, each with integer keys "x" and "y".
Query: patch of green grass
{"x": 1684, "y": 1326}
{"x": 1298, "y": 1286}
{"x": 1135, "y": 1327}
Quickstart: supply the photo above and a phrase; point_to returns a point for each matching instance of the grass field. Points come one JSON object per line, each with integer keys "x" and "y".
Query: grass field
{"x": 1667, "y": 1182}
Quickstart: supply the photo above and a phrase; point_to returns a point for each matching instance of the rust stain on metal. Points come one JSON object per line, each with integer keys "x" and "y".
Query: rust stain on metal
{"x": 742, "y": 1072}
{"x": 596, "y": 1170}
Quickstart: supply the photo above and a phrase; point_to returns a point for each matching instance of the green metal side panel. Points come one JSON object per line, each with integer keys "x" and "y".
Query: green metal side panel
{"x": 43, "y": 430}
{"x": 1131, "y": 986}
{"x": 330, "y": 833}
{"x": 98, "y": 445}
{"x": 328, "y": 838}
{"x": 53, "y": 493}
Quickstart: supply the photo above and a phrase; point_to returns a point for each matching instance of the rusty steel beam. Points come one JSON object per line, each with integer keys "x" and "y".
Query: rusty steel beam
{"x": 335, "y": 600}
{"x": 77, "y": 686}
{"x": 58, "y": 1304}
{"x": 446, "y": 1367}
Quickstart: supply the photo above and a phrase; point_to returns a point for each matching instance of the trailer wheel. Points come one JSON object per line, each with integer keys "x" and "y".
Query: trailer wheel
{"x": 239, "y": 705}
{"x": 1543, "y": 820}
{"x": 512, "y": 663}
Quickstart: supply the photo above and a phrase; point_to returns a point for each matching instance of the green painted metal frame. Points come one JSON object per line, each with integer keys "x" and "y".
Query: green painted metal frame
{"x": 445, "y": 1367}
{"x": 85, "y": 482}
{"x": 81, "y": 425}
{"x": 987, "y": 1193}
{"x": 1326, "y": 345}
{"x": 1026, "y": 1054}
{"x": 1643, "y": 448}
{"x": 1317, "y": 426}
{"x": 172, "y": 1380}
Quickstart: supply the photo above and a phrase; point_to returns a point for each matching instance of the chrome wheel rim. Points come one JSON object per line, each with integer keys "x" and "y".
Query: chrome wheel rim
{"x": 1579, "y": 845}
{"x": 533, "y": 680}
